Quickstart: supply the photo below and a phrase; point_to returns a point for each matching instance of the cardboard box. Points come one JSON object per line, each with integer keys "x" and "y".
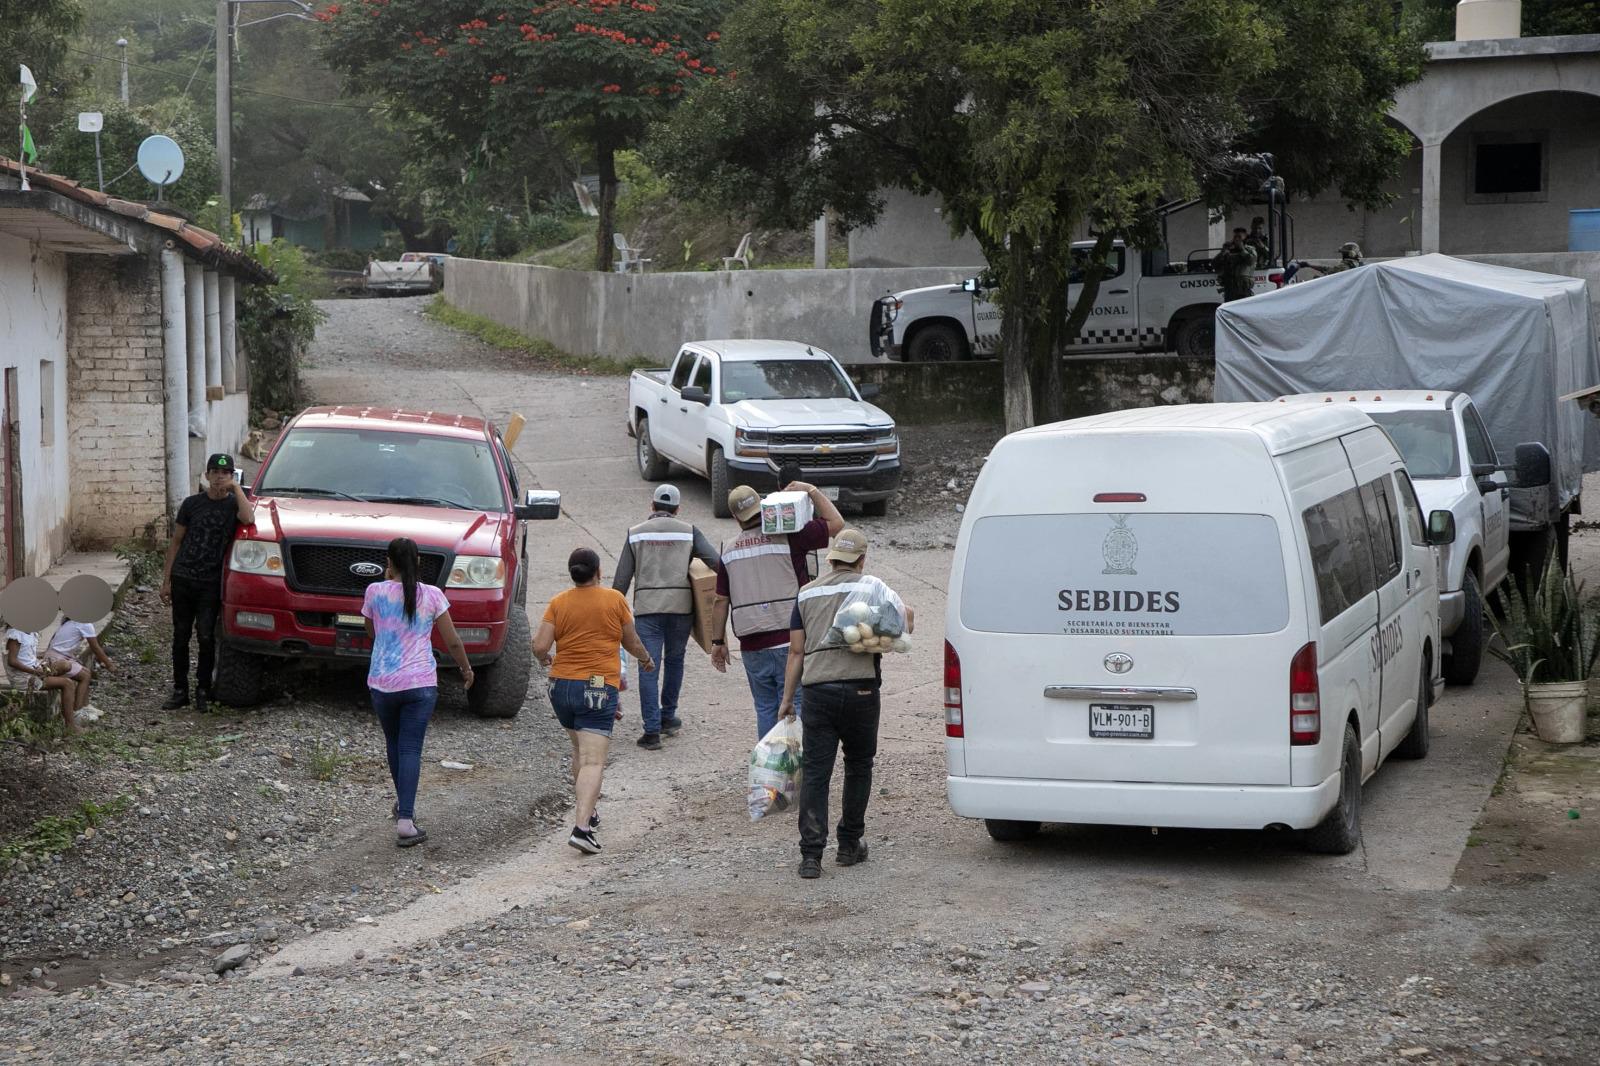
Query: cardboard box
{"x": 785, "y": 512}
{"x": 703, "y": 583}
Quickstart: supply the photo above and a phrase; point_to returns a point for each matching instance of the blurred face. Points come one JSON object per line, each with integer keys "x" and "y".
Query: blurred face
{"x": 219, "y": 481}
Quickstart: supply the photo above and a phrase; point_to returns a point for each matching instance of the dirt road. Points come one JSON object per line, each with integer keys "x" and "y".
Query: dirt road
{"x": 691, "y": 939}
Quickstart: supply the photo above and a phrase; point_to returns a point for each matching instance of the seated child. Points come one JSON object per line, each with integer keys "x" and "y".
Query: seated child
{"x": 25, "y": 671}
{"x": 66, "y": 647}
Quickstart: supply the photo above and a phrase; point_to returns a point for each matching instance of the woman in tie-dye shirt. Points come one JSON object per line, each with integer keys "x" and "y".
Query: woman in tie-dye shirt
{"x": 401, "y": 615}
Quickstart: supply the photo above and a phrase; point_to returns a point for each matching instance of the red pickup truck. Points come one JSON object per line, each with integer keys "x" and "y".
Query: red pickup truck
{"x": 340, "y": 483}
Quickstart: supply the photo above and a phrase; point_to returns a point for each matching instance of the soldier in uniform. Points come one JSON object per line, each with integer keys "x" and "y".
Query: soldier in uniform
{"x": 655, "y": 560}
{"x": 1259, "y": 241}
{"x": 1349, "y": 257}
{"x": 1235, "y": 266}
{"x": 839, "y": 709}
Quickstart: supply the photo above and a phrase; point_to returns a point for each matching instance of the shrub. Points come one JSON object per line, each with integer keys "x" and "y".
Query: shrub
{"x": 277, "y": 323}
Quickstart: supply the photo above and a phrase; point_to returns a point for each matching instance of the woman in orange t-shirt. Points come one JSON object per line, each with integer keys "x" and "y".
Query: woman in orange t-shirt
{"x": 587, "y": 624}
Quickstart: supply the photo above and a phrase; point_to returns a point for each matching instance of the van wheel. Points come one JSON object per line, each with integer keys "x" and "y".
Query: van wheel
{"x": 652, "y": 467}
{"x": 936, "y": 343}
{"x": 1008, "y": 832}
{"x": 499, "y": 688}
{"x": 1466, "y": 643}
{"x": 1415, "y": 744}
{"x": 717, "y": 469}
{"x": 239, "y": 678}
{"x": 1195, "y": 338}
{"x": 1340, "y": 831}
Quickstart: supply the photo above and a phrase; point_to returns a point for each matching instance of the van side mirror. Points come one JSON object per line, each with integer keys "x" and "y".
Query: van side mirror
{"x": 1441, "y": 528}
{"x": 870, "y": 391}
{"x": 695, "y": 394}
{"x": 1533, "y": 466}
{"x": 539, "y": 505}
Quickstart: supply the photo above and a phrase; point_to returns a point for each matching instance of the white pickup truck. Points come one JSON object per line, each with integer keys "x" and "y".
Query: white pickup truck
{"x": 1145, "y": 303}
{"x": 741, "y": 411}
{"x": 403, "y": 278}
{"x": 1454, "y": 466}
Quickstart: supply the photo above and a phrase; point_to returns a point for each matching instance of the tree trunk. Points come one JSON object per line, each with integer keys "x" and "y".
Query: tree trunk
{"x": 606, "y": 153}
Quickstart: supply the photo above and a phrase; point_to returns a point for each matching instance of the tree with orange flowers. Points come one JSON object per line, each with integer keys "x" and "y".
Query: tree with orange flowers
{"x": 596, "y": 72}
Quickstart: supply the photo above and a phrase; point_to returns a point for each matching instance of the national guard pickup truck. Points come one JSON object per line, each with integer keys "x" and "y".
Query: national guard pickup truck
{"x": 739, "y": 411}
{"x": 1145, "y": 304}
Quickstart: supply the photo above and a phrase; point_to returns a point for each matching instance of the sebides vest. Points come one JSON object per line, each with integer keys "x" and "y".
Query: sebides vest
{"x": 662, "y": 551}
{"x": 761, "y": 582}
{"x": 819, "y": 602}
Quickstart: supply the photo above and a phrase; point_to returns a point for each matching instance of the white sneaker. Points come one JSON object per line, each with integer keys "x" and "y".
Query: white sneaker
{"x": 88, "y": 713}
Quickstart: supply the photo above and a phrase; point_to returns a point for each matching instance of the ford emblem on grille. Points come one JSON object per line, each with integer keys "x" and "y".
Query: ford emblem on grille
{"x": 1117, "y": 662}
{"x": 365, "y": 569}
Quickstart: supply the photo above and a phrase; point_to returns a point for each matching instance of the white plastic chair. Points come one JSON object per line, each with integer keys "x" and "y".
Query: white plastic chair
{"x": 627, "y": 255}
{"x": 741, "y": 255}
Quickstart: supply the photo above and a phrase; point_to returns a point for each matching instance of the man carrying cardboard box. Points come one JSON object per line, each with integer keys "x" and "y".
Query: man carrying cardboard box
{"x": 757, "y": 582}
{"x": 655, "y": 560}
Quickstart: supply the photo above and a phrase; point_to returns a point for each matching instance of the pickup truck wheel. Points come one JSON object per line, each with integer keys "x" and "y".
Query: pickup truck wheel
{"x": 875, "y": 508}
{"x": 717, "y": 468}
{"x": 1466, "y": 643}
{"x": 1415, "y": 744}
{"x": 1340, "y": 832}
{"x": 1009, "y": 832}
{"x": 1195, "y": 338}
{"x": 936, "y": 343}
{"x": 239, "y": 678}
{"x": 652, "y": 467}
{"x": 499, "y": 688}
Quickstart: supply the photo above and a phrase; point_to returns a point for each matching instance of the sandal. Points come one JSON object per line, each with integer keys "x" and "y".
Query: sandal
{"x": 413, "y": 840}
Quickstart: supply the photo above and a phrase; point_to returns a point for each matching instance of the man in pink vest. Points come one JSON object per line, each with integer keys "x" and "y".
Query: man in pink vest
{"x": 757, "y": 583}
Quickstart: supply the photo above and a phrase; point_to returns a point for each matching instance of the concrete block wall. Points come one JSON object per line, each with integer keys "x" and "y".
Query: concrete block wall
{"x": 114, "y": 397}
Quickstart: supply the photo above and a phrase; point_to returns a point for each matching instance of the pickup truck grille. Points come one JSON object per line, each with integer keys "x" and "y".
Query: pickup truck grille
{"x": 326, "y": 567}
{"x": 837, "y": 461}
{"x": 812, "y": 440}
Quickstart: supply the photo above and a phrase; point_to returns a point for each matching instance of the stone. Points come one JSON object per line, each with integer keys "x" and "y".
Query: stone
{"x": 774, "y": 978}
{"x": 231, "y": 958}
{"x": 1413, "y": 1052}
{"x": 1032, "y": 987}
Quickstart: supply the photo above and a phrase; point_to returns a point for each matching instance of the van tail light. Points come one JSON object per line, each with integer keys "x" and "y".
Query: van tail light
{"x": 952, "y": 693}
{"x": 1119, "y": 497}
{"x": 1276, "y": 279}
{"x": 1305, "y": 700}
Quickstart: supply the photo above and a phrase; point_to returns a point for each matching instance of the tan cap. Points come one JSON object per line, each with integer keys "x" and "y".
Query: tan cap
{"x": 848, "y": 546}
{"x": 744, "y": 502}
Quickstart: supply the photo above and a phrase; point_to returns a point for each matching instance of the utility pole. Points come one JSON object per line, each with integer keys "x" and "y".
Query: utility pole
{"x": 225, "y": 111}
{"x": 122, "y": 45}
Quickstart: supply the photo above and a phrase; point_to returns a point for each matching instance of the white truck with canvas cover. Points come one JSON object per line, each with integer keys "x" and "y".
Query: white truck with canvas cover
{"x": 1220, "y": 616}
{"x": 1144, "y": 304}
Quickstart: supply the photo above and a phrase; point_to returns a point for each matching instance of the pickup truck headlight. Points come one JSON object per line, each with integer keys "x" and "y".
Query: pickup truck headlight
{"x": 750, "y": 442}
{"x": 891, "y": 310}
{"x": 477, "y": 572}
{"x": 257, "y": 557}
{"x": 888, "y": 442}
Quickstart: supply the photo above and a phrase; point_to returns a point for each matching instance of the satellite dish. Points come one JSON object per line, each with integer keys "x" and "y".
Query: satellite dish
{"x": 160, "y": 160}
{"x": 90, "y": 122}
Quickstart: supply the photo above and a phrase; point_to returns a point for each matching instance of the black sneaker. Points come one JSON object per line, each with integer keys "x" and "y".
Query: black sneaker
{"x": 201, "y": 701}
{"x": 672, "y": 728}
{"x": 584, "y": 840}
{"x": 594, "y": 820}
{"x": 179, "y": 698}
{"x": 850, "y": 854}
{"x": 650, "y": 742}
{"x": 810, "y": 868}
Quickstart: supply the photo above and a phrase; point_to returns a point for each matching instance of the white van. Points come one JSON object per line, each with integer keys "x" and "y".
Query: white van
{"x": 1219, "y": 616}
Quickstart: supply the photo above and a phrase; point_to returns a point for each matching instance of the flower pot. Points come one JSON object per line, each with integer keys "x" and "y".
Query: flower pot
{"x": 1559, "y": 710}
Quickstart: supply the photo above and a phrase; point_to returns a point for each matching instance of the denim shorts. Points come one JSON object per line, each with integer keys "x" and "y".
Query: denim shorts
{"x": 581, "y": 708}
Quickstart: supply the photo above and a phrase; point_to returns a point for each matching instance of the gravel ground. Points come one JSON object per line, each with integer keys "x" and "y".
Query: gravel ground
{"x": 690, "y": 940}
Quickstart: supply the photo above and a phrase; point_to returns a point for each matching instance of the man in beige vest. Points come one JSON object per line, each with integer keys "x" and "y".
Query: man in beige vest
{"x": 656, "y": 560}
{"x": 757, "y": 582}
{"x": 840, "y": 708}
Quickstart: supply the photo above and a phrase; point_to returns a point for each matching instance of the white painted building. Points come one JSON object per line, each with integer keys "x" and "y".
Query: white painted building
{"x": 121, "y": 370}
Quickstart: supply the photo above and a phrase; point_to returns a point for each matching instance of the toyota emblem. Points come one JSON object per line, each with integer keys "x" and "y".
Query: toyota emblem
{"x": 365, "y": 569}
{"x": 1119, "y": 662}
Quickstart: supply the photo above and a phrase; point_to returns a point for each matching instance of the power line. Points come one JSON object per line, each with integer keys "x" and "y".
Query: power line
{"x": 237, "y": 89}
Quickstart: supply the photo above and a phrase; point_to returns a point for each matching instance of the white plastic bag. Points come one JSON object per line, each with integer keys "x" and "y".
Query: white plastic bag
{"x": 871, "y": 620}
{"x": 775, "y": 769}
{"x": 626, "y": 662}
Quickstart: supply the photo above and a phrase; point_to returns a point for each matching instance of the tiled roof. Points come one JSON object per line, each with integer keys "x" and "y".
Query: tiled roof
{"x": 195, "y": 242}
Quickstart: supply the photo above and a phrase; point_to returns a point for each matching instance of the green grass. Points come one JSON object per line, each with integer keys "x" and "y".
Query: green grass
{"x": 164, "y": 751}
{"x": 327, "y": 764}
{"x": 498, "y": 336}
{"x": 56, "y": 832}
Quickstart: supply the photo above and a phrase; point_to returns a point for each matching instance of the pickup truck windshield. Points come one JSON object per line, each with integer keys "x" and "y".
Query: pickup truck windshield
{"x": 784, "y": 379}
{"x": 373, "y": 465}
{"x": 1426, "y": 439}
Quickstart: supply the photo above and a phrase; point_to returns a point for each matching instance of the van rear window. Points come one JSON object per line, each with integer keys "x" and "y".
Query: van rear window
{"x": 1183, "y": 575}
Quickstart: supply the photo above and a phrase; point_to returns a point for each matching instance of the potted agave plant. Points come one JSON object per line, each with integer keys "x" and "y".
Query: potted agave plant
{"x": 1551, "y": 641}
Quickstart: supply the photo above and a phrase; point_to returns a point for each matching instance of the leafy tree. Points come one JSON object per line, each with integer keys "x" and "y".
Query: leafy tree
{"x": 1032, "y": 118}
{"x": 36, "y": 32}
{"x": 478, "y": 76}
{"x": 67, "y": 152}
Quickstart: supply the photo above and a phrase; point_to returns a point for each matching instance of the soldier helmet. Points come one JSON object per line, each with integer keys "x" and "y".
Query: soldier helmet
{"x": 1350, "y": 250}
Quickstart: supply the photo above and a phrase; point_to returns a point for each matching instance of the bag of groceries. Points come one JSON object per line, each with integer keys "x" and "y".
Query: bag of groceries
{"x": 870, "y": 621}
{"x": 775, "y": 769}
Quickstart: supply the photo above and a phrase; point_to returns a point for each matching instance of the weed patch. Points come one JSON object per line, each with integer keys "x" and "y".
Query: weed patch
{"x": 327, "y": 764}
{"x": 56, "y": 832}
{"x": 493, "y": 333}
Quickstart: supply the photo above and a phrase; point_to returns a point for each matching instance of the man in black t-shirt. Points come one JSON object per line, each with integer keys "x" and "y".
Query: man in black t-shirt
{"x": 192, "y": 581}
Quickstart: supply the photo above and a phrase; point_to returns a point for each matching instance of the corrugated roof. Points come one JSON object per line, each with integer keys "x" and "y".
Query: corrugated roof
{"x": 193, "y": 241}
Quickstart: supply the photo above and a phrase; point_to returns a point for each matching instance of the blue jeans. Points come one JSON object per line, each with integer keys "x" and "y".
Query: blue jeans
{"x": 764, "y": 669}
{"x": 404, "y": 717}
{"x": 664, "y": 636}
